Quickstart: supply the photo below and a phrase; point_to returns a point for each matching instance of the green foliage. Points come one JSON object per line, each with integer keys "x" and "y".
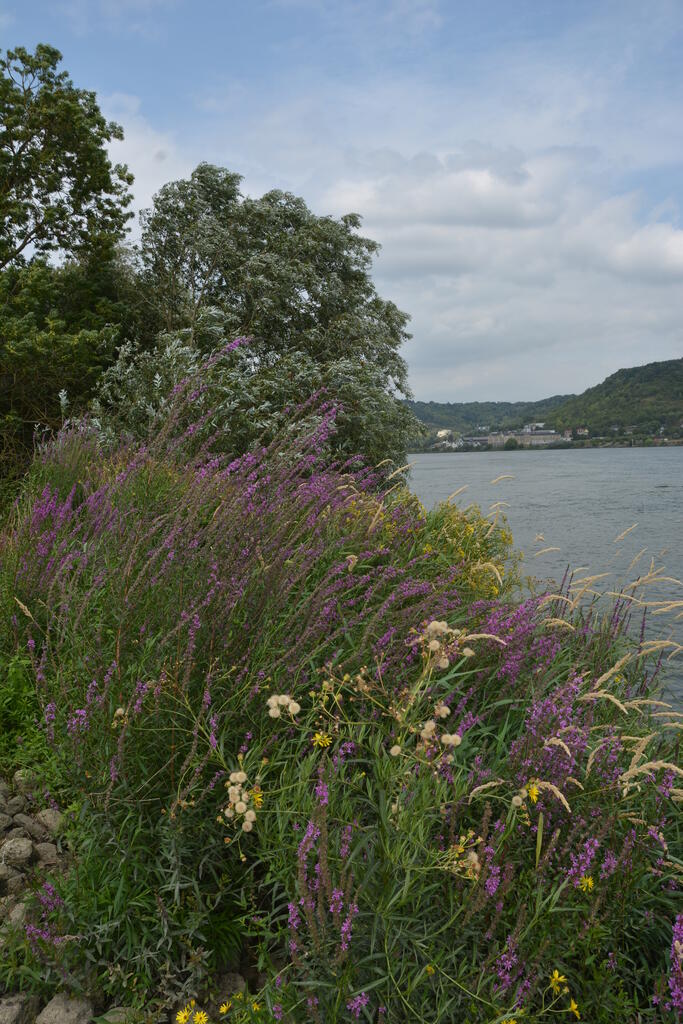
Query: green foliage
{"x": 58, "y": 330}
{"x": 452, "y": 751}
{"x": 19, "y": 711}
{"x": 58, "y": 188}
{"x": 250, "y": 397}
{"x": 293, "y": 281}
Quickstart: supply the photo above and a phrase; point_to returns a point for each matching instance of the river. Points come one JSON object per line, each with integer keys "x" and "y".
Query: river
{"x": 577, "y": 502}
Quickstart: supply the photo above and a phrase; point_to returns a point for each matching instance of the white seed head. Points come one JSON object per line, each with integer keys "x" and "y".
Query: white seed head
{"x": 451, "y": 739}
{"x": 283, "y": 700}
{"x": 395, "y": 750}
{"x": 294, "y": 708}
{"x": 274, "y": 713}
{"x": 240, "y": 807}
{"x": 434, "y": 645}
{"x": 241, "y": 777}
{"x": 250, "y": 816}
{"x": 247, "y": 826}
{"x": 517, "y": 801}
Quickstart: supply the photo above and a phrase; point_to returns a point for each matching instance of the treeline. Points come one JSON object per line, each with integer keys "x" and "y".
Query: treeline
{"x": 641, "y": 399}
{"x": 91, "y": 323}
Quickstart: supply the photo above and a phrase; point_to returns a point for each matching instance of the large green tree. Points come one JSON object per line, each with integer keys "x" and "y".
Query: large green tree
{"x": 291, "y": 280}
{"x": 58, "y": 188}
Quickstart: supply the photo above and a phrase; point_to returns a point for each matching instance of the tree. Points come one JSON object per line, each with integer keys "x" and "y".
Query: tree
{"x": 58, "y": 330}
{"x": 246, "y": 400}
{"x": 291, "y": 280}
{"x": 58, "y": 188}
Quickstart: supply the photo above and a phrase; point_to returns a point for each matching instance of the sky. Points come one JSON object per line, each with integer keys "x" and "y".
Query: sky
{"x": 520, "y": 161}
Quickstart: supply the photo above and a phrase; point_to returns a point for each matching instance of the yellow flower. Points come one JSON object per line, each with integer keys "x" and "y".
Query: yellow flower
{"x": 586, "y": 883}
{"x": 256, "y": 797}
{"x": 322, "y": 739}
{"x": 574, "y": 1008}
{"x": 200, "y": 1017}
{"x": 256, "y": 1007}
{"x": 182, "y": 1016}
{"x": 429, "y": 969}
{"x": 510, "y": 1020}
{"x": 533, "y": 792}
{"x": 224, "y": 1007}
{"x": 556, "y": 980}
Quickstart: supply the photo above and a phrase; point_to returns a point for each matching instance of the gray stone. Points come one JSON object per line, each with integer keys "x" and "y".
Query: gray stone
{"x": 6, "y": 872}
{"x": 18, "y": 1009}
{"x": 231, "y": 982}
{"x": 17, "y": 914}
{"x": 33, "y": 828}
{"x": 16, "y": 885}
{"x": 16, "y": 804}
{"x": 46, "y": 853}
{"x": 24, "y": 780}
{"x": 5, "y": 789}
{"x": 16, "y": 832}
{"x": 51, "y": 820}
{"x": 5, "y": 821}
{"x": 16, "y": 852}
{"x": 62, "y": 1010}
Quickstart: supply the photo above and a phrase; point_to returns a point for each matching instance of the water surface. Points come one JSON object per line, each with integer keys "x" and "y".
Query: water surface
{"x": 578, "y": 502}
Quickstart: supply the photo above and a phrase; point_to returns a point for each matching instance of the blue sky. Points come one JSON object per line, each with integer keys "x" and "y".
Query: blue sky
{"x": 520, "y": 162}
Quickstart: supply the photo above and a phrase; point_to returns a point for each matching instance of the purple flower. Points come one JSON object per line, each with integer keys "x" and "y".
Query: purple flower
{"x": 356, "y": 1004}
{"x": 676, "y": 966}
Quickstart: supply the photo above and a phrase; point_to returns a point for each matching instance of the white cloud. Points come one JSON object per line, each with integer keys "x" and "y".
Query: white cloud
{"x": 154, "y": 157}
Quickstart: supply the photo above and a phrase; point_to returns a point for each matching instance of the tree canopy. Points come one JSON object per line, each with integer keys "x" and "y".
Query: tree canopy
{"x": 290, "y": 279}
{"x": 58, "y": 187}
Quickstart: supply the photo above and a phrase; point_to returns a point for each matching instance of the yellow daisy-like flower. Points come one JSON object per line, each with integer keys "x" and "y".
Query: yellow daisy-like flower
{"x": 429, "y": 969}
{"x": 224, "y": 1007}
{"x": 322, "y": 739}
{"x": 256, "y": 797}
{"x": 200, "y": 1017}
{"x": 256, "y": 1007}
{"x": 574, "y": 1008}
{"x": 586, "y": 883}
{"x": 556, "y": 980}
{"x": 182, "y": 1016}
{"x": 510, "y": 1020}
{"x": 533, "y": 791}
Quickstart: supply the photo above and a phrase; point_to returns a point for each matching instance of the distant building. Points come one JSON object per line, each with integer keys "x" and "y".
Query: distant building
{"x": 444, "y": 435}
{"x": 581, "y": 431}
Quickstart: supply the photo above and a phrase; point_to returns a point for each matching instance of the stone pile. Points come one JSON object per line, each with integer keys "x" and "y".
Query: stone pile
{"x": 29, "y": 844}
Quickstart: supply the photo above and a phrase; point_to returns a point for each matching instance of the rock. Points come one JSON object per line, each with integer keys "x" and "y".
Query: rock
{"x": 16, "y": 804}
{"x": 51, "y": 820}
{"x": 46, "y": 853}
{"x": 16, "y": 885}
{"x": 24, "y": 780}
{"x": 62, "y": 1010}
{"x": 6, "y": 872}
{"x": 5, "y": 789}
{"x": 16, "y": 852}
{"x": 35, "y": 830}
{"x": 229, "y": 983}
{"x": 5, "y": 821}
{"x": 18, "y": 1009}
{"x": 16, "y": 832}
{"x": 17, "y": 914}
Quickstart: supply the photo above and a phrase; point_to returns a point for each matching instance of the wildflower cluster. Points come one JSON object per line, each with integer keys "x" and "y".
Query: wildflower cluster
{"x": 279, "y": 702}
{"x": 241, "y": 802}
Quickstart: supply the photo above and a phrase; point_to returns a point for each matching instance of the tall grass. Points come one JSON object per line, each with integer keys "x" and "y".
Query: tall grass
{"x": 305, "y": 726}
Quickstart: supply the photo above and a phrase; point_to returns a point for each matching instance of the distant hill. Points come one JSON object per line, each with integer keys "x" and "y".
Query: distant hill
{"x": 642, "y": 398}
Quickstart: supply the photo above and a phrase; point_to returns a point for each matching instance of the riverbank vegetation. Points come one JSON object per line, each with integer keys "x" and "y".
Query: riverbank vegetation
{"x": 305, "y": 733}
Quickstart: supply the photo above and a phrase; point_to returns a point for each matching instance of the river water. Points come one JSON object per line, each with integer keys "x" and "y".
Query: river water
{"x": 577, "y": 502}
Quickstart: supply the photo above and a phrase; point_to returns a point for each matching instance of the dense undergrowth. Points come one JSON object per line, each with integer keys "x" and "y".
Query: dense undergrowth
{"x": 304, "y": 726}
